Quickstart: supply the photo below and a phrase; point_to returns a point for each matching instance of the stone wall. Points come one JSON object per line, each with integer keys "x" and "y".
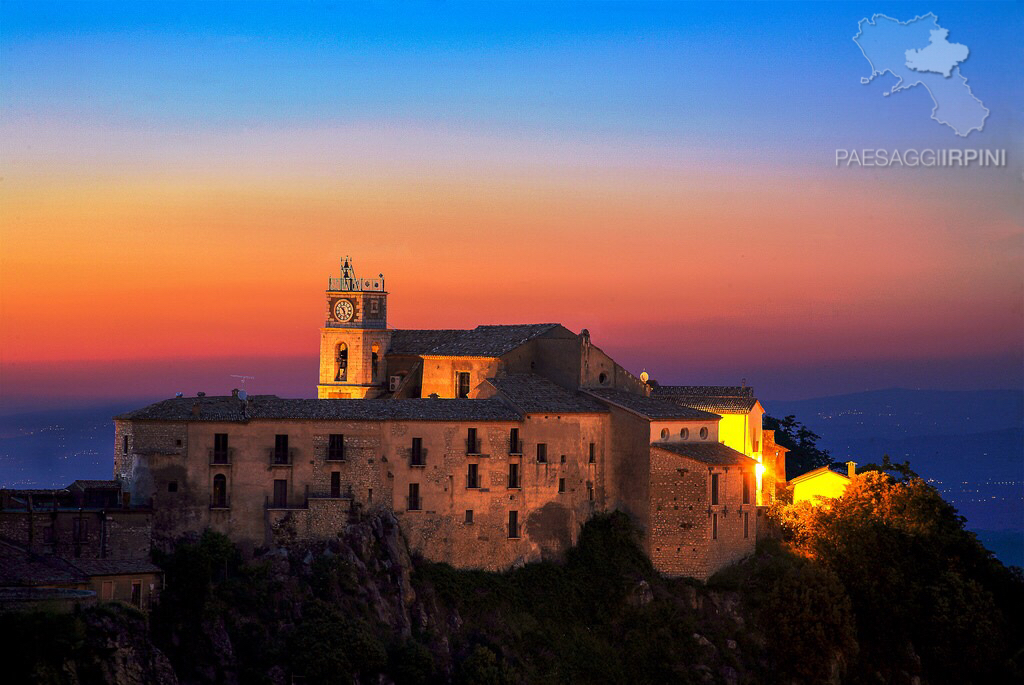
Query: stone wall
{"x": 84, "y": 534}
{"x": 679, "y": 539}
{"x": 552, "y": 501}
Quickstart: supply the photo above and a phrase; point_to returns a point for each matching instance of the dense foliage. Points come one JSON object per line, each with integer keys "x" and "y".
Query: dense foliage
{"x": 927, "y": 598}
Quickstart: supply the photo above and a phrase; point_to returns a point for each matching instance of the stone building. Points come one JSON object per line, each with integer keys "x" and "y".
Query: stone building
{"x": 492, "y": 445}
{"x": 822, "y": 484}
{"x": 87, "y": 538}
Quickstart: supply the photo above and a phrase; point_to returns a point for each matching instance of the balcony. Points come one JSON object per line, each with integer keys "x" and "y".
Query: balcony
{"x": 516, "y": 449}
{"x": 271, "y": 503}
{"x": 345, "y": 493}
{"x": 473, "y": 447}
{"x": 219, "y": 503}
{"x": 278, "y": 457}
{"x": 414, "y": 504}
{"x": 222, "y": 457}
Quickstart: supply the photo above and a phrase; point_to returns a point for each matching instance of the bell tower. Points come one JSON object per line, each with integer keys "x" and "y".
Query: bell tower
{"x": 354, "y": 337}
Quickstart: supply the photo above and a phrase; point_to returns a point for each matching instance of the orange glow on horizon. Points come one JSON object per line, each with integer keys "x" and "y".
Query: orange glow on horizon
{"x": 693, "y": 264}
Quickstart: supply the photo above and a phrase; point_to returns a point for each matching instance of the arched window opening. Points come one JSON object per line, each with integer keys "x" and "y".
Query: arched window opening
{"x": 374, "y": 362}
{"x": 342, "y": 362}
{"x": 220, "y": 491}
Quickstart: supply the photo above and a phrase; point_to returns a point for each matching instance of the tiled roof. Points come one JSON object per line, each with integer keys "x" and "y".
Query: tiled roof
{"x": 721, "y": 399}
{"x": 650, "y": 407}
{"x": 533, "y": 394}
{"x": 482, "y": 341}
{"x": 227, "y": 408}
{"x": 104, "y": 484}
{"x": 704, "y": 390}
{"x": 819, "y": 471}
{"x": 114, "y": 567}
{"x": 18, "y": 566}
{"x": 707, "y": 453}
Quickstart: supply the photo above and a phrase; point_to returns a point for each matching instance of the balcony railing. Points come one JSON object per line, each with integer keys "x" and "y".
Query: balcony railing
{"x": 274, "y": 503}
{"x": 222, "y": 457}
{"x": 473, "y": 480}
{"x": 516, "y": 448}
{"x": 473, "y": 446}
{"x": 344, "y": 493}
{"x": 282, "y": 457}
{"x": 418, "y": 458}
{"x": 220, "y": 502}
{"x": 414, "y": 503}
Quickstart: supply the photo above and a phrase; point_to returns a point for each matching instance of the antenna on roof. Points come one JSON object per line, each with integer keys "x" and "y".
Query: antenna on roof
{"x": 244, "y": 379}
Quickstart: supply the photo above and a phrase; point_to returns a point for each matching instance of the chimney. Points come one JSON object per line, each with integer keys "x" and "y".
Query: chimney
{"x": 195, "y": 409}
{"x": 234, "y": 392}
{"x": 851, "y": 469}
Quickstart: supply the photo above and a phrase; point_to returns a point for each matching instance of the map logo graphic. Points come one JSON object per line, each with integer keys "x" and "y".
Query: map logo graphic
{"x": 918, "y": 53}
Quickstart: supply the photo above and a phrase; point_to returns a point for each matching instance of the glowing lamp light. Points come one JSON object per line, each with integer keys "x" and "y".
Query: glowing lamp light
{"x": 758, "y": 474}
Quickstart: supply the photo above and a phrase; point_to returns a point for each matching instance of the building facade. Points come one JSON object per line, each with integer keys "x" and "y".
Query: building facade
{"x": 492, "y": 446}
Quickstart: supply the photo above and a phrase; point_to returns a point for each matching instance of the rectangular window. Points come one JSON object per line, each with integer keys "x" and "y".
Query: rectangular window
{"x": 335, "y": 447}
{"x": 107, "y": 591}
{"x": 562, "y": 459}
{"x": 414, "y": 497}
{"x": 417, "y": 452}
{"x": 514, "y": 444}
{"x": 472, "y": 445}
{"x": 590, "y": 491}
{"x": 746, "y": 524}
{"x": 714, "y": 488}
{"x": 472, "y": 476}
{"x": 220, "y": 448}
{"x": 469, "y": 516}
{"x": 80, "y": 530}
{"x": 124, "y": 445}
{"x": 561, "y": 485}
{"x": 714, "y": 526}
{"x": 335, "y": 484}
{"x": 462, "y": 384}
{"x": 593, "y": 454}
{"x": 542, "y": 453}
{"x": 172, "y": 486}
{"x": 137, "y": 593}
{"x": 280, "y": 494}
{"x": 513, "y": 524}
{"x": 280, "y": 449}
{"x": 513, "y": 475}
{"x": 746, "y": 488}
{"x": 48, "y": 535}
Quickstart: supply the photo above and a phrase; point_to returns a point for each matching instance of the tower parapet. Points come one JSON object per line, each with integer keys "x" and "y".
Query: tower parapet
{"x": 350, "y": 283}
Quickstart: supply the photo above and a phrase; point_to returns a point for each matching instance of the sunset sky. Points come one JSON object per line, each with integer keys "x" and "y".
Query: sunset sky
{"x": 178, "y": 181}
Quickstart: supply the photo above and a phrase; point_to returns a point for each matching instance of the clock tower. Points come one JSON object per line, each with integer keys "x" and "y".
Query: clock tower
{"x": 354, "y": 337}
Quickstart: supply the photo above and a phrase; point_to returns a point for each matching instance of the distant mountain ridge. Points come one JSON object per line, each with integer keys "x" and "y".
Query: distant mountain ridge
{"x": 902, "y": 412}
{"x": 970, "y": 443}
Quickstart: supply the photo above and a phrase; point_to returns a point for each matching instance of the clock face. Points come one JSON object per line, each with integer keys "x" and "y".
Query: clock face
{"x": 343, "y": 310}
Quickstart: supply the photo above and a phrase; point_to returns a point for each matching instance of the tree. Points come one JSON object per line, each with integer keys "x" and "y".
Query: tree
{"x": 899, "y": 472}
{"x": 802, "y": 443}
{"x": 927, "y": 597}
